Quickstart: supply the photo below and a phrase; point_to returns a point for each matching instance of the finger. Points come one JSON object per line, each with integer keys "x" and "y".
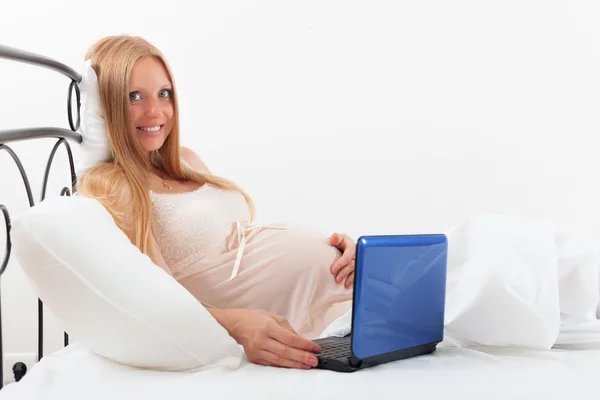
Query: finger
{"x": 346, "y": 257}
{"x": 294, "y": 340}
{"x": 350, "y": 279}
{"x": 335, "y": 239}
{"x": 285, "y": 352}
{"x": 345, "y": 271}
{"x": 272, "y": 359}
{"x": 286, "y": 325}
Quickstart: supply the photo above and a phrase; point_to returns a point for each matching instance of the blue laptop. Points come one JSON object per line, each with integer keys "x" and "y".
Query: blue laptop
{"x": 398, "y": 302}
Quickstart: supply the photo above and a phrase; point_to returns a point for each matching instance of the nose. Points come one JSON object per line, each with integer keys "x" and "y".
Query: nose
{"x": 153, "y": 109}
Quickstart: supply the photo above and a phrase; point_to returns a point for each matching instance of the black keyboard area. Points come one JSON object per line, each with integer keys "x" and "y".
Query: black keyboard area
{"x": 338, "y": 347}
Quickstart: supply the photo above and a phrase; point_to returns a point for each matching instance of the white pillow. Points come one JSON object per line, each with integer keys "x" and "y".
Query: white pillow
{"x": 95, "y": 146}
{"x": 502, "y": 283}
{"x": 578, "y": 267}
{"x": 111, "y": 297}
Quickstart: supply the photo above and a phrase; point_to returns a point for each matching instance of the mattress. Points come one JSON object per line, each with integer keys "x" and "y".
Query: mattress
{"x": 449, "y": 373}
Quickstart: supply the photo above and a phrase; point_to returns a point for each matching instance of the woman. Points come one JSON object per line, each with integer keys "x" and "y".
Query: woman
{"x": 270, "y": 287}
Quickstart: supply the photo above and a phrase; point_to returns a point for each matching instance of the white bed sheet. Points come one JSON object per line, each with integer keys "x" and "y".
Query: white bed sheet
{"x": 449, "y": 373}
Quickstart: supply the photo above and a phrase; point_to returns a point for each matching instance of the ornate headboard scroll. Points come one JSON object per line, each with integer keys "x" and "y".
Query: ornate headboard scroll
{"x": 64, "y": 136}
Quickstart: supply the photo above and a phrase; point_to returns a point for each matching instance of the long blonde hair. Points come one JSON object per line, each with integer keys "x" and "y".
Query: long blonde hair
{"x": 112, "y": 59}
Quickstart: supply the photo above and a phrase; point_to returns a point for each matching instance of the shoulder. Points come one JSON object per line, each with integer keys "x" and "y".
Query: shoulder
{"x": 190, "y": 157}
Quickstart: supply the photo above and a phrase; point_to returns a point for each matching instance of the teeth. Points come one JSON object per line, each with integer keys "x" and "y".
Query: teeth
{"x": 150, "y": 129}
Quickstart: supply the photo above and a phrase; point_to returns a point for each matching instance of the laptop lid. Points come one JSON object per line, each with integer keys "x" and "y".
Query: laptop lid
{"x": 399, "y": 293}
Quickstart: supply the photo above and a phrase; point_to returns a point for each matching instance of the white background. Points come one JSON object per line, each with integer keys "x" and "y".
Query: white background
{"x": 363, "y": 117}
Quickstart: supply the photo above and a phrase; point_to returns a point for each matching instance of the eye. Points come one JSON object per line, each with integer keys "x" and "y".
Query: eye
{"x": 133, "y": 96}
{"x": 164, "y": 93}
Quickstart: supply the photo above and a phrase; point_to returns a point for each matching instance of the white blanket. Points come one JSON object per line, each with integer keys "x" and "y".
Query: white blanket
{"x": 450, "y": 373}
{"x": 517, "y": 282}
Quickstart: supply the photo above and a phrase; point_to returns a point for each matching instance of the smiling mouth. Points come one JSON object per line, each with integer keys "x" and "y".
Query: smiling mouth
{"x": 154, "y": 130}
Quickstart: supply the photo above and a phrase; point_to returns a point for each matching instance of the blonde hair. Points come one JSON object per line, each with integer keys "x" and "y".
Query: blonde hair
{"x": 113, "y": 58}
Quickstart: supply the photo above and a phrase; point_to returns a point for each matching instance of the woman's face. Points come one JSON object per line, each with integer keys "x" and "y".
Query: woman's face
{"x": 151, "y": 105}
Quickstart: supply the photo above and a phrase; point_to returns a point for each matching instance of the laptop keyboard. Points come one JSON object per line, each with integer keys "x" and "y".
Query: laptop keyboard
{"x": 339, "y": 348}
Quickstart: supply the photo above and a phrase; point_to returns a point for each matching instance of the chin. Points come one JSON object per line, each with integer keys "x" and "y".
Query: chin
{"x": 151, "y": 141}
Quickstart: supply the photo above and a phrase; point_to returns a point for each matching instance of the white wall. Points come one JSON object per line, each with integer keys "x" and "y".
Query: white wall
{"x": 362, "y": 117}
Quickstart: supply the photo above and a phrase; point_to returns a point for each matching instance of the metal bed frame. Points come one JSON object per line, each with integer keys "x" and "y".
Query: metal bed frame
{"x": 64, "y": 136}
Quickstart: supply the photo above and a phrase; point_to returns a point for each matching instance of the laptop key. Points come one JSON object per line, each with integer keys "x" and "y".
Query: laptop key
{"x": 336, "y": 348}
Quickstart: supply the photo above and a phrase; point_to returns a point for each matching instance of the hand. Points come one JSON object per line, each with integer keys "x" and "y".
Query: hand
{"x": 268, "y": 339}
{"x": 343, "y": 268}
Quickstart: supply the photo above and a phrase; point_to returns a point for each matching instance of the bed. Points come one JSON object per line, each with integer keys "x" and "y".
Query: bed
{"x": 454, "y": 371}
{"x": 450, "y": 373}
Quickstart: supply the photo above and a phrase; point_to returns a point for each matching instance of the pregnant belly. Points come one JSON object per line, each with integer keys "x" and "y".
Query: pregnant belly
{"x": 284, "y": 271}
